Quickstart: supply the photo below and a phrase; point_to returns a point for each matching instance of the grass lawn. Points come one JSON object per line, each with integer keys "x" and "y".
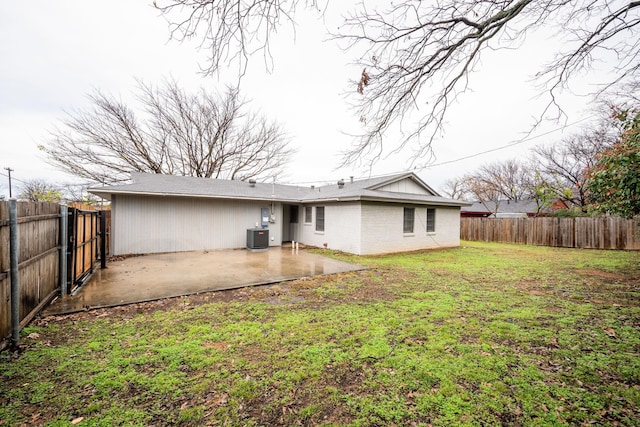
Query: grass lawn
{"x": 484, "y": 334}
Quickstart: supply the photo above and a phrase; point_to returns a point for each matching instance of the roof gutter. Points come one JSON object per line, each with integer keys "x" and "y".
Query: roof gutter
{"x": 453, "y": 203}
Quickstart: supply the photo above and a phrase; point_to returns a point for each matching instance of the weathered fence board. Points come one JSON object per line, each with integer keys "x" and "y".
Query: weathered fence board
{"x": 587, "y": 233}
{"x": 39, "y": 264}
{"x": 38, "y": 258}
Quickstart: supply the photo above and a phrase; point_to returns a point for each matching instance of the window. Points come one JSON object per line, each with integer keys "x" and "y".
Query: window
{"x": 307, "y": 214}
{"x": 409, "y": 214}
{"x": 320, "y": 218}
{"x": 431, "y": 220}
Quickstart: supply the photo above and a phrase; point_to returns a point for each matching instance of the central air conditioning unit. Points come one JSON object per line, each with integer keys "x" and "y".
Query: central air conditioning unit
{"x": 257, "y": 239}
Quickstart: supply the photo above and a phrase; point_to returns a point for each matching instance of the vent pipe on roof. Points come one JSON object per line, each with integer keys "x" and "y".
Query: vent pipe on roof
{"x": 313, "y": 186}
{"x": 351, "y": 178}
{"x": 340, "y": 184}
{"x": 252, "y": 182}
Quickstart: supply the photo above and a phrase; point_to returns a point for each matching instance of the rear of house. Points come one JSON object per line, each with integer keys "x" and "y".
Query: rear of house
{"x": 160, "y": 213}
{"x": 376, "y": 227}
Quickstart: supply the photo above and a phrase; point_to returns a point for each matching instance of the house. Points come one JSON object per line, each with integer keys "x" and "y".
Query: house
{"x": 509, "y": 209}
{"x": 162, "y": 213}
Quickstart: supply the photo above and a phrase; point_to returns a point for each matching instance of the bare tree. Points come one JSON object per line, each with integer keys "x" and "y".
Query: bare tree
{"x": 507, "y": 180}
{"x": 38, "y": 190}
{"x": 202, "y": 134}
{"x": 454, "y": 189}
{"x": 495, "y": 183}
{"x": 483, "y": 192}
{"x": 420, "y": 54}
{"x": 561, "y": 168}
{"x": 76, "y": 192}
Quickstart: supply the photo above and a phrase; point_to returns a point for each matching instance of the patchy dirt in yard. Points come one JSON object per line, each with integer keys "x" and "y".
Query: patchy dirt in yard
{"x": 601, "y": 274}
{"x": 365, "y": 285}
{"x": 597, "y": 287}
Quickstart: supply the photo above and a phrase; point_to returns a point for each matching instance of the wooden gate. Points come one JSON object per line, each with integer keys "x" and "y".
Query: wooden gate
{"x": 86, "y": 245}
{"x": 56, "y": 249}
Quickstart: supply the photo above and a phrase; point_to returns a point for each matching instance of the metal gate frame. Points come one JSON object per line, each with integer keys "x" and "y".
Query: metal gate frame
{"x": 86, "y": 245}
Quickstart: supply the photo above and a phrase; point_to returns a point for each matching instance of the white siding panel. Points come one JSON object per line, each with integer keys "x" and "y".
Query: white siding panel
{"x": 382, "y": 229}
{"x": 405, "y": 186}
{"x": 175, "y": 224}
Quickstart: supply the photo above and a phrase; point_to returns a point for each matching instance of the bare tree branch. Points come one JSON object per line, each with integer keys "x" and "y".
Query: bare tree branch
{"x": 417, "y": 56}
{"x": 562, "y": 168}
{"x": 230, "y": 30}
{"x": 495, "y": 182}
{"x": 454, "y": 189}
{"x": 203, "y": 134}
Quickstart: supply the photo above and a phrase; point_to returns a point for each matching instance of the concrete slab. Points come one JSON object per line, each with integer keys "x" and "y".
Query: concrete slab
{"x": 152, "y": 277}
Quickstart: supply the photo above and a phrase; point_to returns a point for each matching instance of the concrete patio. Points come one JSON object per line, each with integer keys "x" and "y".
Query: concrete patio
{"x": 153, "y": 277}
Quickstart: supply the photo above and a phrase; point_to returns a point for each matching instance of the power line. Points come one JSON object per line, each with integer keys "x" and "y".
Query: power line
{"x": 470, "y": 156}
{"x": 511, "y": 144}
{"x": 13, "y": 178}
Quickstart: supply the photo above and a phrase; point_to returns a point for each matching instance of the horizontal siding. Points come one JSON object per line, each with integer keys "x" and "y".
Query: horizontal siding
{"x": 382, "y": 228}
{"x": 176, "y": 224}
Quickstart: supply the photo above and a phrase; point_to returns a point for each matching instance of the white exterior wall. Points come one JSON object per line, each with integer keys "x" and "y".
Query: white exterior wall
{"x": 382, "y": 228}
{"x": 149, "y": 224}
{"x": 342, "y": 227}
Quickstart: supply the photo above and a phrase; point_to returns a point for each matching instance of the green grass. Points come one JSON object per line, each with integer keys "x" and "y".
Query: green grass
{"x": 484, "y": 334}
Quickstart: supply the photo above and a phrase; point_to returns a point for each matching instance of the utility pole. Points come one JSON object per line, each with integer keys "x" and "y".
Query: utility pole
{"x": 9, "y": 170}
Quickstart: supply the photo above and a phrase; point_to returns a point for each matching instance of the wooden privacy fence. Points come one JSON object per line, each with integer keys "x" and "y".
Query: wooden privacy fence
{"x": 38, "y": 260}
{"x": 586, "y": 233}
{"x": 57, "y": 251}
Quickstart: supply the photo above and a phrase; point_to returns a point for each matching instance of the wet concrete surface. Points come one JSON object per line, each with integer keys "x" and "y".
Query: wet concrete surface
{"x": 152, "y": 277}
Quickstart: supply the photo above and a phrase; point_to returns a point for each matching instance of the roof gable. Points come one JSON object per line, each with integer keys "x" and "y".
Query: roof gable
{"x": 410, "y": 185}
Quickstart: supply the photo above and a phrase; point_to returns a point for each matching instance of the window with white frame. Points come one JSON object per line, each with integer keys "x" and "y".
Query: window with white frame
{"x": 308, "y": 214}
{"x": 320, "y": 218}
{"x": 431, "y": 220}
{"x": 409, "y": 219}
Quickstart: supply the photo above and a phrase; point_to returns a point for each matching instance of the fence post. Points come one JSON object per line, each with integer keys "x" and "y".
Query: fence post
{"x": 13, "y": 265}
{"x": 73, "y": 239}
{"x": 103, "y": 238}
{"x": 64, "y": 240}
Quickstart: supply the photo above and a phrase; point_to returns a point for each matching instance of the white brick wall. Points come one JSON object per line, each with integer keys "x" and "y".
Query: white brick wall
{"x": 382, "y": 228}
{"x": 372, "y": 228}
{"x": 341, "y": 228}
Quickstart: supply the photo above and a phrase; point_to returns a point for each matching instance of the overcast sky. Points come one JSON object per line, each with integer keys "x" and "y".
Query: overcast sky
{"x": 53, "y": 53}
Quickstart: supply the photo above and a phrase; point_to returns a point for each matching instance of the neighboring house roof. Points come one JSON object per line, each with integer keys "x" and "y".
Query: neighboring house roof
{"x": 360, "y": 190}
{"x": 506, "y": 208}
{"x": 476, "y": 209}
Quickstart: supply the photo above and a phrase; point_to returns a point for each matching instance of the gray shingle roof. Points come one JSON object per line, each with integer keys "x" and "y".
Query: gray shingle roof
{"x": 169, "y": 185}
{"x": 183, "y": 186}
